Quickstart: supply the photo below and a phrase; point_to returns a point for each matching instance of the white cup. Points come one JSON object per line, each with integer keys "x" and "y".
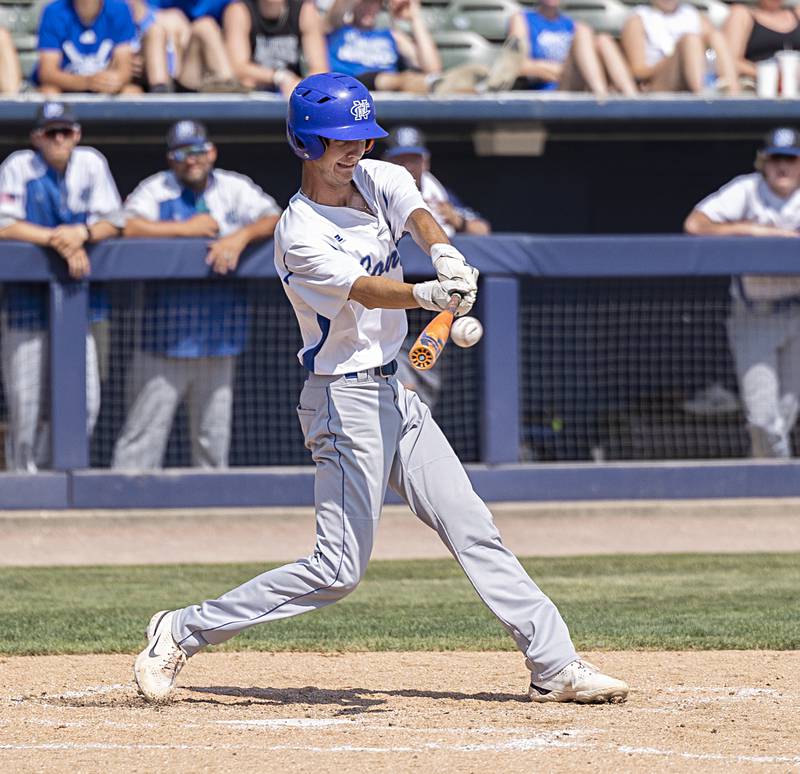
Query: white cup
{"x": 767, "y": 78}
{"x": 788, "y": 63}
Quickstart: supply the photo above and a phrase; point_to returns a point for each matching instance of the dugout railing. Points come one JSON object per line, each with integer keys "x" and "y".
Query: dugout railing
{"x": 539, "y": 303}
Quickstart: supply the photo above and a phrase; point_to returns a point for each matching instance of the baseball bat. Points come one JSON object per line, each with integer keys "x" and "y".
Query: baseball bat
{"x": 431, "y": 341}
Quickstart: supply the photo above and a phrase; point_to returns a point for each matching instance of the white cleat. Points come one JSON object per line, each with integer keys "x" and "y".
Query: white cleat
{"x": 581, "y": 682}
{"x": 158, "y": 664}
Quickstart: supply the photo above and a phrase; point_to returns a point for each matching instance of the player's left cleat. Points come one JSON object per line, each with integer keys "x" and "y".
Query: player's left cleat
{"x": 581, "y": 682}
{"x": 158, "y": 664}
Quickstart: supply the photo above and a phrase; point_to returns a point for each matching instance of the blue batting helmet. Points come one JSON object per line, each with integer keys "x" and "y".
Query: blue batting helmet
{"x": 333, "y": 106}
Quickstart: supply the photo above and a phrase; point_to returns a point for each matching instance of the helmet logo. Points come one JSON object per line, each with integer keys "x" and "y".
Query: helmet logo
{"x": 361, "y": 109}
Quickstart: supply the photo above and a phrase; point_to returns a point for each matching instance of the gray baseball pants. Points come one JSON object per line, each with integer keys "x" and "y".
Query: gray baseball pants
{"x": 366, "y": 433}
{"x": 766, "y": 350}
{"x": 25, "y": 355}
{"x": 157, "y": 385}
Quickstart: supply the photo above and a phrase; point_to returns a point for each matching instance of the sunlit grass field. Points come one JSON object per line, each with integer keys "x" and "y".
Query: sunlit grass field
{"x": 610, "y": 602}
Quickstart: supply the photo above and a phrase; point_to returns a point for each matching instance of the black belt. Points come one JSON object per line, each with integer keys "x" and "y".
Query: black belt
{"x": 390, "y": 369}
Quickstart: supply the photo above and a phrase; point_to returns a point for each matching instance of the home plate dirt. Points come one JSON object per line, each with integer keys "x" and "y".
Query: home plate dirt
{"x": 400, "y": 712}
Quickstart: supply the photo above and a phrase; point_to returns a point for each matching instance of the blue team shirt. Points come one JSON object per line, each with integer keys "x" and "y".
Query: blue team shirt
{"x": 205, "y": 318}
{"x": 353, "y": 51}
{"x": 32, "y": 191}
{"x": 85, "y": 50}
{"x": 194, "y": 9}
{"x": 550, "y": 39}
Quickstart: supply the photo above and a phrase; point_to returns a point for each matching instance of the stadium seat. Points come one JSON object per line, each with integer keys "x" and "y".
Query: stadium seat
{"x": 601, "y": 15}
{"x": 457, "y": 48}
{"x": 21, "y": 19}
{"x": 488, "y": 18}
{"x": 716, "y": 10}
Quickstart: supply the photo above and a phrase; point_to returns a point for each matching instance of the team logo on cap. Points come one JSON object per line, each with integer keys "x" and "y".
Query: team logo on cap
{"x": 53, "y": 110}
{"x": 361, "y": 109}
{"x": 784, "y": 138}
{"x": 407, "y": 137}
{"x": 184, "y": 129}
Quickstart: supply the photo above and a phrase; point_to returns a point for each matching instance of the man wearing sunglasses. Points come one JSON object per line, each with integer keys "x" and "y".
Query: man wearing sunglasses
{"x": 59, "y": 195}
{"x": 764, "y": 324}
{"x": 191, "y": 331}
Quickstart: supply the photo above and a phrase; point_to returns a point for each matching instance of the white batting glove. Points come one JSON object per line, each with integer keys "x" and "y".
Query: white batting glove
{"x": 435, "y": 296}
{"x": 450, "y": 264}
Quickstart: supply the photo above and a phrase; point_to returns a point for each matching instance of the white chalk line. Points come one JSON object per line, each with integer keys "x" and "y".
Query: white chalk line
{"x": 92, "y": 690}
{"x": 544, "y": 741}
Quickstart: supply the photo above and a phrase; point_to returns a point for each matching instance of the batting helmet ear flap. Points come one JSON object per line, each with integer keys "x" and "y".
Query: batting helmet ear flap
{"x": 306, "y": 146}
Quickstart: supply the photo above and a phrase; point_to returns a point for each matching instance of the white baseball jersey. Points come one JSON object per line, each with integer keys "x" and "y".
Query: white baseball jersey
{"x": 749, "y": 198}
{"x": 233, "y": 200}
{"x": 30, "y": 190}
{"x": 664, "y": 30}
{"x": 320, "y": 251}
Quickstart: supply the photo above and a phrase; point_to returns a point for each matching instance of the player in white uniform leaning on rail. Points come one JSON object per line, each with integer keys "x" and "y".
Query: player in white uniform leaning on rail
{"x": 764, "y": 324}
{"x": 191, "y": 331}
{"x": 62, "y": 196}
{"x": 336, "y": 253}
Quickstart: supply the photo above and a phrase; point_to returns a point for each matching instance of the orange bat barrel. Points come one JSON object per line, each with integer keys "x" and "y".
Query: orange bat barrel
{"x": 434, "y": 336}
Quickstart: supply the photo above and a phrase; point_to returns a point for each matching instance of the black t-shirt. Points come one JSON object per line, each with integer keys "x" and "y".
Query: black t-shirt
{"x": 275, "y": 43}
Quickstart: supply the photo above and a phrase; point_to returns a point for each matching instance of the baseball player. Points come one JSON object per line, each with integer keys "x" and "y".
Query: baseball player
{"x": 59, "y": 195}
{"x": 336, "y": 253}
{"x": 764, "y": 324}
{"x": 192, "y": 331}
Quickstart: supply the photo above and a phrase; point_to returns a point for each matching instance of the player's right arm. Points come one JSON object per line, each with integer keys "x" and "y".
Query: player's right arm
{"x": 726, "y": 213}
{"x": 699, "y": 224}
{"x": 12, "y": 206}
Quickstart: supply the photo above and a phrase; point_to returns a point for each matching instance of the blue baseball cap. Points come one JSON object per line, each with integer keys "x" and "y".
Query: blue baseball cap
{"x": 405, "y": 141}
{"x": 55, "y": 114}
{"x": 783, "y": 141}
{"x": 185, "y": 133}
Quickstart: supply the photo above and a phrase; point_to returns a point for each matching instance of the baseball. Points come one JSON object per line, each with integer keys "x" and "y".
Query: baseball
{"x": 466, "y": 331}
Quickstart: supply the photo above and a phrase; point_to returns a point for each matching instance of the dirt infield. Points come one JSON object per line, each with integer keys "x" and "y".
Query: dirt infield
{"x": 173, "y": 536}
{"x": 404, "y": 712}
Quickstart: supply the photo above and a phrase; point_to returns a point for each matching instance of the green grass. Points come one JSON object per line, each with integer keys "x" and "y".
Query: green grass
{"x": 620, "y": 602}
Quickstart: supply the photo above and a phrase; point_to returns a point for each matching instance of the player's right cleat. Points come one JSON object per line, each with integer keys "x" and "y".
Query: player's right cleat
{"x": 581, "y": 682}
{"x": 158, "y": 664}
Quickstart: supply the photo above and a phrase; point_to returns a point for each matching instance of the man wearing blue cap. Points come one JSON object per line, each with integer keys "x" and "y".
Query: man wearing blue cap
{"x": 764, "y": 324}
{"x": 191, "y": 331}
{"x": 336, "y": 254}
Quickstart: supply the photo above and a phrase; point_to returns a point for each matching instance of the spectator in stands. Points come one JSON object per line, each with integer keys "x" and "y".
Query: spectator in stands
{"x": 266, "y": 38}
{"x": 382, "y": 59}
{"x": 10, "y": 73}
{"x": 567, "y": 55}
{"x": 192, "y": 331}
{"x": 86, "y": 45}
{"x": 665, "y": 43}
{"x": 755, "y": 34}
{"x": 405, "y": 146}
{"x": 764, "y": 325}
{"x": 187, "y": 50}
{"x": 59, "y": 195}
{"x": 196, "y": 42}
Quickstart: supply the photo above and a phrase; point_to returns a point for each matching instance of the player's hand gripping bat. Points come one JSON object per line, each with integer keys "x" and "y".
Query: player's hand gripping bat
{"x": 431, "y": 341}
